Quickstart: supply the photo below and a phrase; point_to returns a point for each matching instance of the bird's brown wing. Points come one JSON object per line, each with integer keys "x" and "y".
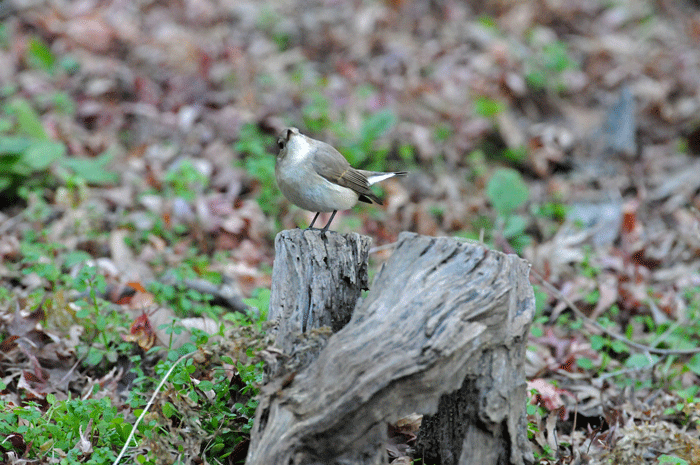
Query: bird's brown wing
{"x": 333, "y": 166}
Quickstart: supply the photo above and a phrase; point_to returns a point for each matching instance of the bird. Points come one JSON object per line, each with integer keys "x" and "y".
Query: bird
{"x": 314, "y": 176}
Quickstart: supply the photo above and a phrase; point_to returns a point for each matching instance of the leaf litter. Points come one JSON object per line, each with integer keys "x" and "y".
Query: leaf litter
{"x": 603, "y": 96}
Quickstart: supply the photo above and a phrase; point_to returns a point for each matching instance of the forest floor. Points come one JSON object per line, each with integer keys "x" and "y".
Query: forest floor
{"x": 137, "y": 150}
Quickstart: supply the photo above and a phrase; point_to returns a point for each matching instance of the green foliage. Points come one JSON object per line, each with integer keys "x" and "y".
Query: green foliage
{"x": 39, "y": 55}
{"x": 544, "y": 69}
{"x": 183, "y": 300}
{"x": 56, "y": 431}
{"x": 407, "y": 153}
{"x": 224, "y": 408}
{"x": 317, "y": 113}
{"x": 101, "y": 323}
{"x": 556, "y": 57}
{"x": 184, "y": 181}
{"x": 487, "y": 107}
{"x": 507, "y": 192}
{"x": 672, "y": 459}
{"x": 363, "y": 150}
{"x": 27, "y": 120}
{"x": 268, "y": 20}
{"x": 517, "y": 156}
{"x": 259, "y": 162}
{"x": 93, "y": 170}
{"x": 27, "y": 154}
{"x": 535, "y": 413}
{"x": 551, "y": 210}
{"x": 487, "y": 21}
{"x": 442, "y": 132}
{"x": 4, "y": 36}
{"x": 587, "y": 268}
{"x": 260, "y": 300}
{"x": 601, "y": 343}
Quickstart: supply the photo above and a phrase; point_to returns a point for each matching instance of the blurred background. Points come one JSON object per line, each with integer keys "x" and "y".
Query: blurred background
{"x": 138, "y": 141}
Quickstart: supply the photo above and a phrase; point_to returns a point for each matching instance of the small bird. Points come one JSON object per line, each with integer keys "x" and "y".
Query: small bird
{"x": 316, "y": 177}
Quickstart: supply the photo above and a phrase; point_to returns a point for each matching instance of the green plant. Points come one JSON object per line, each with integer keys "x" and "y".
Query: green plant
{"x": 364, "y": 150}
{"x": 672, "y": 459}
{"x": 317, "y": 113}
{"x": 184, "y": 181}
{"x": 534, "y": 415}
{"x": 39, "y": 55}
{"x": 100, "y": 322}
{"x": 507, "y": 192}
{"x": 93, "y": 170}
{"x": 27, "y": 153}
{"x": 543, "y": 71}
{"x": 72, "y": 430}
{"x": 183, "y": 300}
{"x": 442, "y": 132}
{"x": 259, "y": 162}
{"x": 268, "y": 21}
{"x": 260, "y": 300}
{"x": 487, "y": 107}
{"x": 203, "y": 399}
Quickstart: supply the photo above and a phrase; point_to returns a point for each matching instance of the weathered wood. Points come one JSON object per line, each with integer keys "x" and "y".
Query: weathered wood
{"x": 316, "y": 281}
{"x": 440, "y": 312}
{"x": 484, "y": 421}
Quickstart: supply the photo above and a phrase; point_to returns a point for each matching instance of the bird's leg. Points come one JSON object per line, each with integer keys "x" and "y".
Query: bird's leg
{"x": 311, "y": 226}
{"x": 325, "y": 228}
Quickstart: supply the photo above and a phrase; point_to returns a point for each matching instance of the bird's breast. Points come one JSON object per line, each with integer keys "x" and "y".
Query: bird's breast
{"x": 302, "y": 186}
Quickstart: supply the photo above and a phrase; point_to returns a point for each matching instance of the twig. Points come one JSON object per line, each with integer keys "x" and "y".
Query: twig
{"x": 379, "y": 248}
{"x": 617, "y": 373}
{"x": 613, "y": 334}
{"x": 148, "y": 405}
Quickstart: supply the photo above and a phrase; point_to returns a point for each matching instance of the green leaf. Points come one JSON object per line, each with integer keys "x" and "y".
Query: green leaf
{"x": 376, "y": 125}
{"x": 169, "y": 410}
{"x": 40, "y": 56}
{"x": 598, "y": 342}
{"x": 94, "y": 356}
{"x": 641, "y": 361}
{"x": 672, "y": 459}
{"x": 585, "y": 363}
{"x": 206, "y": 385}
{"x": 41, "y": 154}
{"x": 514, "y": 226}
{"x": 619, "y": 347}
{"x": 556, "y": 57}
{"x": 13, "y": 164}
{"x": 28, "y": 121}
{"x": 694, "y": 364}
{"x": 13, "y": 145}
{"x": 92, "y": 170}
{"x": 487, "y": 107}
{"x": 5, "y": 182}
{"x": 506, "y": 191}
{"x": 536, "y": 79}
{"x": 260, "y": 299}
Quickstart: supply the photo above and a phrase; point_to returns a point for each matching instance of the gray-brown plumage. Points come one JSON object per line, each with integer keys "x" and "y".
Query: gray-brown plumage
{"x": 316, "y": 177}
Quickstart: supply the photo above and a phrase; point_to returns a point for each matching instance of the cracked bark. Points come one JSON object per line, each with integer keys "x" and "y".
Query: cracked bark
{"x": 442, "y": 332}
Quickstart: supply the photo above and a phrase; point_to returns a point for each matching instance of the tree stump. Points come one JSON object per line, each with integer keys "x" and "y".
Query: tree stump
{"x": 316, "y": 281}
{"x": 441, "y": 315}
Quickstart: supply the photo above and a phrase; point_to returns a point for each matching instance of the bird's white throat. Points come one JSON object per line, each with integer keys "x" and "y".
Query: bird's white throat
{"x": 298, "y": 148}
